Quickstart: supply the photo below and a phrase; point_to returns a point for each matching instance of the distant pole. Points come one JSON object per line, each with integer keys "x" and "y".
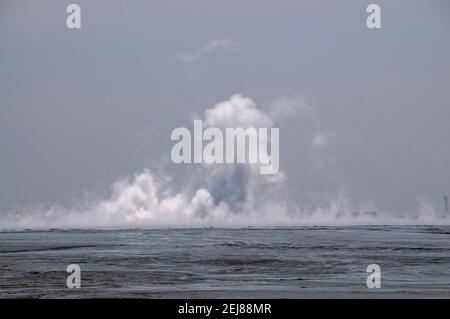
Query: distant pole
{"x": 446, "y": 204}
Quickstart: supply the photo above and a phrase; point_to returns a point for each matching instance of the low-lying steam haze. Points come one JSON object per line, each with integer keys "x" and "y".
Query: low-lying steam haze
{"x": 363, "y": 114}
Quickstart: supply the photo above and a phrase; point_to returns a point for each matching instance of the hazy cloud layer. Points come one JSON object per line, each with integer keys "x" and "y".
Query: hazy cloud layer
{"x": 209, "y": 48}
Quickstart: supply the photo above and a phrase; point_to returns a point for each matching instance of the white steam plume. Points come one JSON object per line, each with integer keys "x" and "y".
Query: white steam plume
{"x": 228, "y": 195}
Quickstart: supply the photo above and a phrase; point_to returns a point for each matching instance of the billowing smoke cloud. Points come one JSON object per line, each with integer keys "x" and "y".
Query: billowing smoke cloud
{"x": 215, "y": 195}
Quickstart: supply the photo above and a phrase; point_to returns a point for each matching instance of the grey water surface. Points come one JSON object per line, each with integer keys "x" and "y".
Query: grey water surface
{"x": 299, "y": 262}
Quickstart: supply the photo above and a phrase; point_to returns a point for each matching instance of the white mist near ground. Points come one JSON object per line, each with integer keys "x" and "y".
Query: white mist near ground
{"x": 231, "y": 195}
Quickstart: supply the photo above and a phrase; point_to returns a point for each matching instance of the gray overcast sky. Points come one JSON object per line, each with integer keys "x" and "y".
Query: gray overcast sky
{"x": 81, "y": 108}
